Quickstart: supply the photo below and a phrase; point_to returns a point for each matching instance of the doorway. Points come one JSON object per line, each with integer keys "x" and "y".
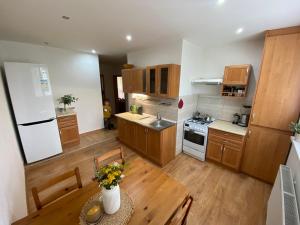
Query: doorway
{"x": 119, "y": 95}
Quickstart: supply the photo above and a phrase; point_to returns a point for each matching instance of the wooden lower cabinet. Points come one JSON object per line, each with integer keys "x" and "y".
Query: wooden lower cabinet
{"x": 214, "y": 150}
{"x": 68, "y": 130}
{"x": 140, "y": 142}
{"x": 265, "y": 150}
{"x": 158, "y": 146}
{"x": 225, "y": 148}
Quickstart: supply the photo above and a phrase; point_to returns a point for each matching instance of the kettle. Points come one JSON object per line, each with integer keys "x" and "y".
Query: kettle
{"x": 135, "y": 109}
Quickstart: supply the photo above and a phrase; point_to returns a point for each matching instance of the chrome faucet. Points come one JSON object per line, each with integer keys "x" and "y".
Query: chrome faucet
{"x": 158, "y": 116}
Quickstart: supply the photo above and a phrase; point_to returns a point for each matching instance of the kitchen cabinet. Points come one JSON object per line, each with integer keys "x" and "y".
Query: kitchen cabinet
{"x": 277, "y": 99}
{"x": 152, "y": 78}
{"x": 156, "y": 145}
{"x": 168, "y": 80}
{"x": 265, "y": 150}
{"x": 68, "y": 130}
{"x": 276, "y": 104}
{"x": 225, "y": 148}
{"x": 134, "y": 80}
{"x": 235, "y": 80}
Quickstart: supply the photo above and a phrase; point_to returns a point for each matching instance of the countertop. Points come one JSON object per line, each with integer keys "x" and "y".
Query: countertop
{"x": 228, "y": 127}
{"x": 68, "y": 112}
{"x": 144, "y": 119}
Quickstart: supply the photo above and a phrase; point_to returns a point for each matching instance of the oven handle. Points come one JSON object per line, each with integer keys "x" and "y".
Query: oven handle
{"x": 196, "y": 132}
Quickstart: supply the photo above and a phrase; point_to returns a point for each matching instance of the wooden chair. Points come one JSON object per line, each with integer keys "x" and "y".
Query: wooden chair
{"x": 116, "y": 153}
{"x": 36, "y": 190}
{"x": 181, "y": 215}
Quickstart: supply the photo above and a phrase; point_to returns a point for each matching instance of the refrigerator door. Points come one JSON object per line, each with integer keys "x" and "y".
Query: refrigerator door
{"x": 40, "y": 140}
{"x": 30, "y": 92}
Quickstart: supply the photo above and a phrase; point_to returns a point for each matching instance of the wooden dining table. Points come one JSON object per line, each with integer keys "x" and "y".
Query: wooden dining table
{"x": 155, "y": 195}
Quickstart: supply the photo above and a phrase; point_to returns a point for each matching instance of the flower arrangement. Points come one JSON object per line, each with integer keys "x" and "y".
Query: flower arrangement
{"x": 110, "y": 175}
{"x": 67, "y": 100}
{"x": 295, "y": 127}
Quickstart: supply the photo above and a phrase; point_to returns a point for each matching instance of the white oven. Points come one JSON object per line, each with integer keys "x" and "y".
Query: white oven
{"x": 195, "y": 139}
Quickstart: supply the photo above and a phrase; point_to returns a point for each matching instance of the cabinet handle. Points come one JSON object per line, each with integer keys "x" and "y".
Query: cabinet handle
{"x": 249, "y": 132}
{"x": 253, "y": 115}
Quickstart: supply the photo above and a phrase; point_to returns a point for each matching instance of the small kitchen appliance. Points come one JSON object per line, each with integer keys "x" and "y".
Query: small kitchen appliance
{"x": 244, "y": 120}
{"x": 135, "y": 109}
{"x": 195, "y": 135}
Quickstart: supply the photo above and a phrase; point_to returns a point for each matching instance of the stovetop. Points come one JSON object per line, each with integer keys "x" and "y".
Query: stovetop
{"x": 197, "y": 124}
{"x": 201, "y": 121}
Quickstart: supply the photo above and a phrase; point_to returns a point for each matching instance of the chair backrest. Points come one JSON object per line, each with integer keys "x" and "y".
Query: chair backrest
{"x": 180, "y": 216}
{"x": 116, "y": 153}
{"x": 57, "y": 194}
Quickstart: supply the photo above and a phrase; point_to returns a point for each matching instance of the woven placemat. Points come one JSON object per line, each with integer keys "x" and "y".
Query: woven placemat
{"x": 121, "y": 217}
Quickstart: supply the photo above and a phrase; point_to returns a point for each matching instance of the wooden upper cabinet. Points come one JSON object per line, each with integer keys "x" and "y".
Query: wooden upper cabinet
{"x": 277, "y": 99}
{"x": 265, "y": 150}
{"x": 168, "y": 80}
{"x": 237, "y": 75}
{"x": 151, "y": 80}
{"x": 134, "y": 80}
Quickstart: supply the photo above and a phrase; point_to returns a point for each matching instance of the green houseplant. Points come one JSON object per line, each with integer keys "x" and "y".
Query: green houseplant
{"x": 67, "y": 100}
{"x": 295, "y": 127}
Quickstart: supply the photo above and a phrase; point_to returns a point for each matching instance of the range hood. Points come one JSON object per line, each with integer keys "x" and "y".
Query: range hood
{"x": 208, "y": 81}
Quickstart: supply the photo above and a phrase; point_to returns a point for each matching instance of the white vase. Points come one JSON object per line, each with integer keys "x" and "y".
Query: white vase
{"x": 111, "y": 199}
{"x": 297, "y": 137}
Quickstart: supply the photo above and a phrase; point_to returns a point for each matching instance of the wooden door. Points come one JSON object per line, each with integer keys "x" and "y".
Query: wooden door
{"x": 231, "y": 156}
{"x": 141, "y": 139}
{"x": 277, "y": 99}
{"x": 214, "y": 151}
{"x": 69, "y": 134}
{"x": 153, "y": 145}
{"x": 265, "y": 150}
{"x": 236, "y": 75}
{"x": 127, "y": 80}
{"x": 151, "y": 73}
{"x": 130, "y": 133}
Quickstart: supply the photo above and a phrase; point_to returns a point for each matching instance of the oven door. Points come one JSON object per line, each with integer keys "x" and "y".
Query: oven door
{"x": 195, "y": 140}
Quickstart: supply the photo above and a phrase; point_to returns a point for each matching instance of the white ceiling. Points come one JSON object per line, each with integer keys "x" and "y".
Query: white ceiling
{"x": 103, "y": 24}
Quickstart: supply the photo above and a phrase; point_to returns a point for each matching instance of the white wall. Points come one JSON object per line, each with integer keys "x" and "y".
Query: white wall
{"x": 164, "y": 53}
{"x": 12, "y": 186}
{"x": 70, "y": 73}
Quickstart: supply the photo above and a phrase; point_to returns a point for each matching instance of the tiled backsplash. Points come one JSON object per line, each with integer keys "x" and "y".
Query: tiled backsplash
{"x": 166, "y": 107}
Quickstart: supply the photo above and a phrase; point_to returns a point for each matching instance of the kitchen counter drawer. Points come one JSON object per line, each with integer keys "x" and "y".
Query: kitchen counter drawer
{"x": 68, "y": 129}
{"x": 226, "y": 135}
{"x": 224, "y": 140}
{"x": 67, "y": 121}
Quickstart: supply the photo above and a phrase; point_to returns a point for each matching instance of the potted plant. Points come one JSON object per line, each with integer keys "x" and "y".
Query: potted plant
{"x": 67, "y": 100}
{"x": 295, "y": 127}
{"x": 109, "y": 177}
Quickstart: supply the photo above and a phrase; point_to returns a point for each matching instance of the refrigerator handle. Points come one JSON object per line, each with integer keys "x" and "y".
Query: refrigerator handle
{"x": 38, "y": 122}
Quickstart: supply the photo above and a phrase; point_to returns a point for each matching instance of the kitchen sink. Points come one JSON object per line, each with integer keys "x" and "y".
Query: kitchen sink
{"x": 158, "y": 124}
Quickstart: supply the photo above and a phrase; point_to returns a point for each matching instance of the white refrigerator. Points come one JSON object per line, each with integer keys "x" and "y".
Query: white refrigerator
{"x": 32, "y": 101}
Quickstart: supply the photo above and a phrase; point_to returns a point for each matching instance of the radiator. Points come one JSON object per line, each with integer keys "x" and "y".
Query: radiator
{"x": 282, "y": 204}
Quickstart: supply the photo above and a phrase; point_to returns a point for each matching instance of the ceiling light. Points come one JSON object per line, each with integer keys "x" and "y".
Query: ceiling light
{"x": 220, "y": 2}
{"x": 239, "y": 30}
{"x": 93, "y": 51}
{"x": 65, "y": 17}
{"x": 128, "y": 37}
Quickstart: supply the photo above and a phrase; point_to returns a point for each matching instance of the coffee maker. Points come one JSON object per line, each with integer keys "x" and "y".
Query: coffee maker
{"x": 244, "y": 119}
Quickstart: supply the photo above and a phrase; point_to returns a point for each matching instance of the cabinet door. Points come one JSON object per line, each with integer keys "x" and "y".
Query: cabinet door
{"x": 231, "y": 156}
{"x": 163, "y": 80}
{"x": 236, "y": 75}
{"x": 151, "y": 80}
{"x": 214, "y": 150}
{"x": 141, "y": 139}
{"x": 121, "y": 129}
{"x": 144, "y": 81}
{"x": 127, "y": 80}
{"x": 153, "y": 145}
{"x": 69, "y": 135}
{"x": 265, "y": 150}
{"x": 137, "y": 81}
{"x": 277, "y": 99}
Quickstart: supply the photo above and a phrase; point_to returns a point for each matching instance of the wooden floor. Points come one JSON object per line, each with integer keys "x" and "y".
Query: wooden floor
{"x": 221, "y": 197}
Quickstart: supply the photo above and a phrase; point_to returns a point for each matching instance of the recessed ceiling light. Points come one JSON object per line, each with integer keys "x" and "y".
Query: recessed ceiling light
{"x": 220, "y": 2}
{"x": 65, "y": 17}
{"x": 239, "y": 30}
{"x": 128, "y": 37}
{"x": 93, "y": 51}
